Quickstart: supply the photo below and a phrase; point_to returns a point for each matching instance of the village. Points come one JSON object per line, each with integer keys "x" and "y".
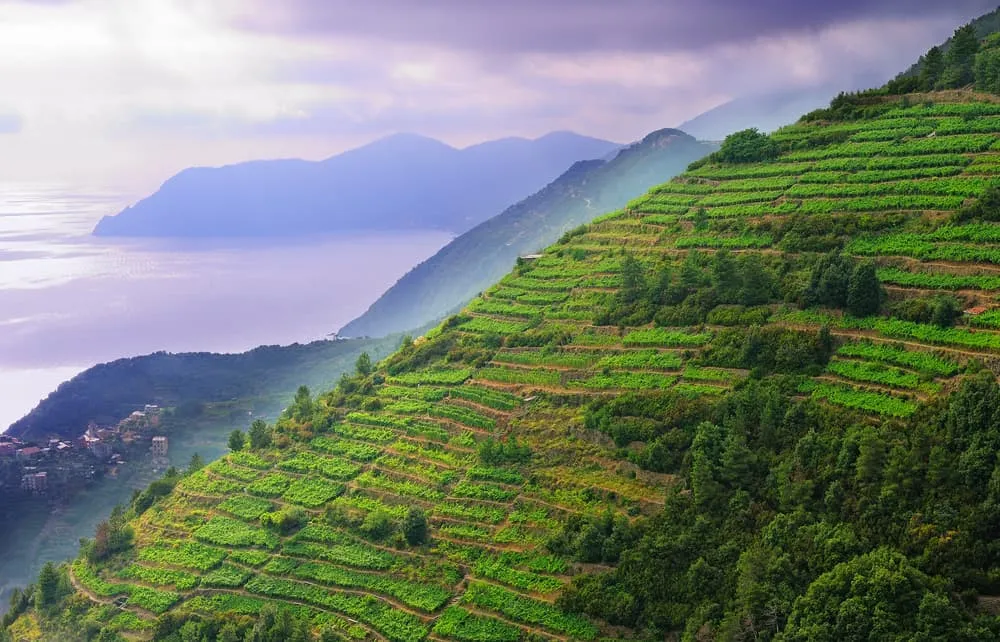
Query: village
{"x": 57, "y": 465}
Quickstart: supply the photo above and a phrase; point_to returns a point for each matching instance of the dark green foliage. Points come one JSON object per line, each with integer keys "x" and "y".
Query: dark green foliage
{"x": 829, "y": 281}
{"x": 415, "y": 526}
{"x": 196, "y": 463}
{"x": 932, "y": 68}
{"x": 864, "y": 291}
{"x": 960, "y": 59}
{"x": 879, "y": 594}
{"x": 496, "y": 452}
{"x": 595, "y": 540}
{"x": 769, "y": 349}
{"x": 285, "y": 520}
{"x": 985, "y": 208}
{"x": 747, "y": 146}
{"x": 633, "y": 281}
{"x": 378, "y": 525}
{"x": 157, "y": 489}
{"x": 852, "y": 106}
{"x": 942, "y": 310}
{"x": 48, "y": 586}
{"x": 236, "y": 441}
{"x": 302, "y": 405}
{"x": 112, "y": 536}
{"x": 260, "y": 434}
{"x": 363, "y": 366}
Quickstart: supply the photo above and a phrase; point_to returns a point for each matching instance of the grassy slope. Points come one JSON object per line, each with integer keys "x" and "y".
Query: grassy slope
{"x": 418, "y": 449}
{"x": 478, "y": 258}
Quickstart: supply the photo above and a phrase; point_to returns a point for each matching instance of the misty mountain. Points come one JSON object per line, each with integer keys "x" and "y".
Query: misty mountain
{"x": 476, "y": 259}
{"x": 402, "y": 182}
{"x": 766, "y": 112}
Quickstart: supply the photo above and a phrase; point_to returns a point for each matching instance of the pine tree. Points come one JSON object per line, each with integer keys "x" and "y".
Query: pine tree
{"x": 48, "y": 585}
{"x": 960, "y": 59}
{"x": 864, "y": 292}
{"x": 260, "y": 435}
{"x": 236, "y": 441}
{"x": 633, "y": 280}
{"x": 363, "y": 365}
{"x": 933, "y": 66}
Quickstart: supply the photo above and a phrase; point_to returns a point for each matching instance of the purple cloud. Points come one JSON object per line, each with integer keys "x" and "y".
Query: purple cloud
{"x": 559, "y": 26}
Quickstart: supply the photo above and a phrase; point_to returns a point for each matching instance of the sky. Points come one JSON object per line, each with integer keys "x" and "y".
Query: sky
{"x": 125, "y": 93}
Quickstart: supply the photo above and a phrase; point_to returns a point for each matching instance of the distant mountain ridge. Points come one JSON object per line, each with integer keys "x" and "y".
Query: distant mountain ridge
{"x": 402, "y": 182}
{"x": 476, "y": 259}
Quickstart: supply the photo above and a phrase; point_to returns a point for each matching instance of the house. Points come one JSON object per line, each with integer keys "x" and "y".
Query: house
{"x": 159, "y": 447}
{"x": 30, "y": 452}
{"x": 7, "y": 449}
{"x": 35, "y": 482}
{"x": 976, "y": 311}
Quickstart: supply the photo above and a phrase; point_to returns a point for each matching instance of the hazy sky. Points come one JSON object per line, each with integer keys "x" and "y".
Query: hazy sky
{"x": 129, "y": 91}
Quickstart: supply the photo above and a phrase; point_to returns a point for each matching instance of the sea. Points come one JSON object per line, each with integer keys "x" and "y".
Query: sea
{"x": 69, "y": 300}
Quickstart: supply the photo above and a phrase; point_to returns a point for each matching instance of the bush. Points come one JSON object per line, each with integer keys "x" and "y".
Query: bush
{"x": 415, "y": 526}
{"x": 747, "y": 146}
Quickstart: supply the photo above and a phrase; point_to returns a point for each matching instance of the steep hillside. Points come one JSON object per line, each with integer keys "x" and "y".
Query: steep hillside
{"x": 478, "y": 258}
{"x": 701, "y": 416}
{"x": 403, "y": 182}
{"x": 269, "y": 374}
{"x": 765, "y": 112}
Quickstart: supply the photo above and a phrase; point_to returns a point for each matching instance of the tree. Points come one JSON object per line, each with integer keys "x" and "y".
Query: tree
{"x": 377, "y": 525}
{"x": 415, "y": 526}
{"x": 748, "y": 146}
{"x": 829, "y": 280}
{"x": 700, "y": 219}
{"x": 960, "y": 59}
{"x": 633, "y": 280}
{"x": 757, "y": 281}
{"x": 236, "y": 441}
{"x": 302, "y": 405}
{"x": 48, "y": 585}
{"x": 725, "y": 278}
{"x": 363, "y": 365}
{"x": 260, "y": 434}
{"x": 196, "y": 463}
{"x": 987, "y": 70}
{"x": 864, "y": 292}
{"x": 933, "y": 66}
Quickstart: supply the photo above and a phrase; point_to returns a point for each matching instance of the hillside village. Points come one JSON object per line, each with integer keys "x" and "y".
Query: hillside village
{"x": 57, "y": 466}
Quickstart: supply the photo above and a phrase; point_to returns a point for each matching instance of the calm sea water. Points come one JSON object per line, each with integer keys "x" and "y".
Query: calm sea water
{"x": 69, "y": 300}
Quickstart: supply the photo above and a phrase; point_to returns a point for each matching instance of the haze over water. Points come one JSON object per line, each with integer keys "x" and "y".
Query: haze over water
{"x": 69, "y": 300}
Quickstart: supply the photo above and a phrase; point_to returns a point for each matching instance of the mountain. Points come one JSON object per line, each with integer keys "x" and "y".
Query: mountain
{"x": 267, "y": 376}
{"x": 766, "y": 112}
{"x": 759, "y": 402}
{"x": 477, "y": 258}
{"x": 403, "y": 182}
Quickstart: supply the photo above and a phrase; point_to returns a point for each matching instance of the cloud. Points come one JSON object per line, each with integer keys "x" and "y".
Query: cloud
{"x": 10, "y": 123}
{"x": 574, "y": 26}
{"x": 136, "y": 91}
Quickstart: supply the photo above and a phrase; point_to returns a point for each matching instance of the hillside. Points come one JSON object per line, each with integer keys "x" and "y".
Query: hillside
{"x": 670, "y": 423}
{"x": 267, "y": 375}
{"x": 478, "y": 258}
{"x": 432, "y": 186}
{"x": 765, "y": 112}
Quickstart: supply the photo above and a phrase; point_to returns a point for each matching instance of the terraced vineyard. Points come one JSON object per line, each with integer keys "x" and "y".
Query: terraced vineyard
{"x": 522, "y": 416}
